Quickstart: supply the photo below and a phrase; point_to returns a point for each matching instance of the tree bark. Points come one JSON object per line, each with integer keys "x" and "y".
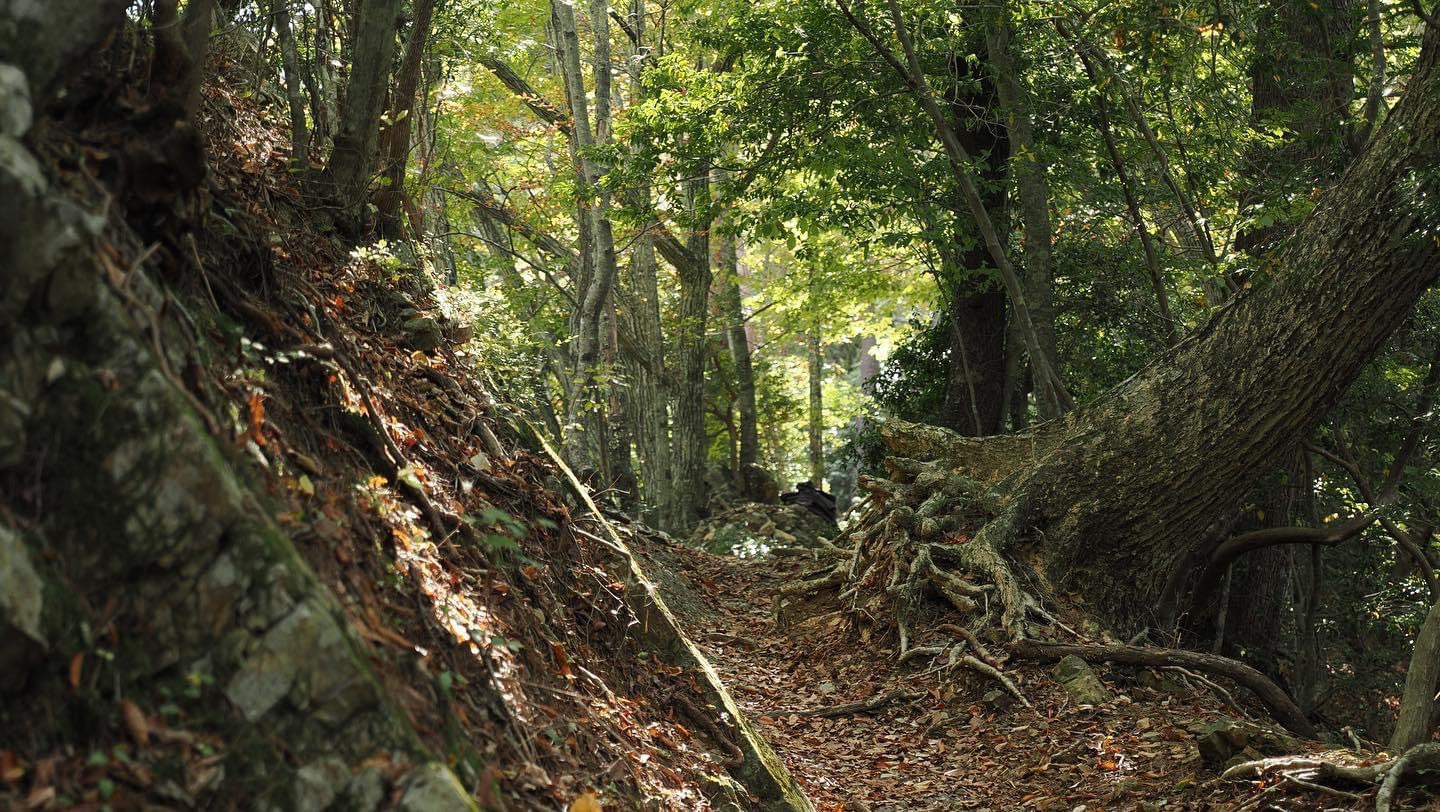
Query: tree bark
{"x": 594, "y": 291}
{"x": 689, "y": 443}
{"x": 648, "y": 402}
{"x": 1034, "y": 192}
{"x": 732, "y": 311}
{"x": 817, "y": 408}
{"x": 395, "y": 137}
{"x": 981, "y": 358}
{"x": 1123, "y": 503}
{"x": 1417, "y": 705}
{"x": 294, "y": 92}
{"x": 352, "y": 160}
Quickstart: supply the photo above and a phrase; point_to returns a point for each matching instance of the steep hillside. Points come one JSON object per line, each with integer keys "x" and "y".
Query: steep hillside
{"x": 269, "y": 542}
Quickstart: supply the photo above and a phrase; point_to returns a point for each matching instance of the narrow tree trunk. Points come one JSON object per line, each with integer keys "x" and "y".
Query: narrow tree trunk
{"x": 727, "y": 267}
{"x": 1417, "y": 705}
{"x": 620, "y": 471}
{"x": 689, "y": 443}
{"x": 352, "y": 161}
{"x": 594, "y": 292}
{"x": 1034, "y": 193}
{"x": 294, "y": 93}
{"x": 816, "y": 431}
{"x": 1132, "y": 204}
{"x": 395, "y": 137}
{"x": 648, "y": 402}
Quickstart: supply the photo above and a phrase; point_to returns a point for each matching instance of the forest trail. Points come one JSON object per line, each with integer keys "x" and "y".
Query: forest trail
{"x": 959, "y": 743}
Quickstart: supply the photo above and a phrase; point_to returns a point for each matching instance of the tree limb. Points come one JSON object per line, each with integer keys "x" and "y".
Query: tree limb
{"x": 537, "y": 103}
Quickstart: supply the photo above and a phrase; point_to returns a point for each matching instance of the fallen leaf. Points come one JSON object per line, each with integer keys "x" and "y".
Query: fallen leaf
{"x": 77, "y": 667}
{"x": 135, "y": 723}
{"x": 11, "y": 770}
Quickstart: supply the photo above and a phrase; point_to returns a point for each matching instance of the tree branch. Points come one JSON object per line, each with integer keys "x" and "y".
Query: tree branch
{"x": 537, "y": 103}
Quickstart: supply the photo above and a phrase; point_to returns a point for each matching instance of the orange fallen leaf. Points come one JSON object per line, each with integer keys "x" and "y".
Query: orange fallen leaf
{"x": 257, "y": 418}
{"x": 11, "y": 770}
{"x": 77, "y": 667}
{"x": 586, "y": 803}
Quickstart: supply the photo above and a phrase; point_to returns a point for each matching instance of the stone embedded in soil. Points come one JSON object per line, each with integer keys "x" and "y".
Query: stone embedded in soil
{"x": 1079, "y": 681}
{"x": 1222, "y": 741}
{"x": 433, "y": 788}
{"x": 423, "y": 334}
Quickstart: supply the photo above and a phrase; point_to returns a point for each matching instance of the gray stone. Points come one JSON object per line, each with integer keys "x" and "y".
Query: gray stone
{"x": 365, "y": 791}
{"x": 1224, "y": 739}
{"x": 304, "y": 657}
{"x": 724, "y": 793}
{"x": 16, "y": 161}
{"x": 317, "y": 784}
{"x": 423, "y": 334}
{"x": 434, "y": 788}
{"x": 16, "y": 114}
{"x": 998, "y": 699}
{"x": 22, "y": 591}
{"x": 1079, "y": 681}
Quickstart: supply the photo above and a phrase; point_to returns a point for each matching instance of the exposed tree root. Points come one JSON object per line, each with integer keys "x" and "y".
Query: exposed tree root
{"x": 1306, "y": 770}
{"x": 865, "y": 705}
{"x": 914, "y": 546}
{"x": 1276, "y": 700}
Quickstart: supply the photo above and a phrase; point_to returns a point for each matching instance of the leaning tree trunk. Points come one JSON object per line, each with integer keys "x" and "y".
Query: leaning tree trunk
{"x": 1114, "y": 502}
{"x": 1417, "y": 707}
{"x": 1123, "y": 501}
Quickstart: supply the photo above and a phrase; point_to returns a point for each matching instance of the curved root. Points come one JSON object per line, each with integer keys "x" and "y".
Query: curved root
{"x": 1306, "y": 770}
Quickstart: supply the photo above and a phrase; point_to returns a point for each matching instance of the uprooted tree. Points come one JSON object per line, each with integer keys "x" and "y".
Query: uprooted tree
{"x": 1117, "y": 507}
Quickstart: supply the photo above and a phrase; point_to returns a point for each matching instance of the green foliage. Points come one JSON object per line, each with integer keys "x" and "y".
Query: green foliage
{"x": 912, "y": 385}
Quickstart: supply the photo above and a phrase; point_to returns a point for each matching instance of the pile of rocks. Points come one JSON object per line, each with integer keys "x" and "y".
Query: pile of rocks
{"x": 753, "y": 524}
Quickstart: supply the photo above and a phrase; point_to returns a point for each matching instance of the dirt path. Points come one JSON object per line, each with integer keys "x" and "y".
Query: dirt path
{"x": 959, "y": 744}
